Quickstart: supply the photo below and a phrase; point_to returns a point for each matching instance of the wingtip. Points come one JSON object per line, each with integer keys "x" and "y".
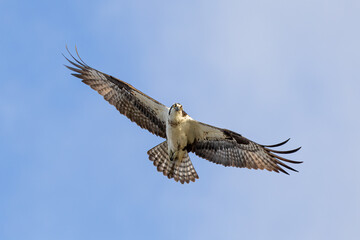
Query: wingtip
{"x": 81, "y": 62}
{"x": 278, "y": 144}
{"x": 77, "y": 53}
{"x": 77, "y": 75}
{"x": 282, "y": 170}
{"x": 283, "y": 152}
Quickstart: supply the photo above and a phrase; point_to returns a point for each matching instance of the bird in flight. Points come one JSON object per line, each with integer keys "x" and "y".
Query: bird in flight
{"x": 182, "y": 133}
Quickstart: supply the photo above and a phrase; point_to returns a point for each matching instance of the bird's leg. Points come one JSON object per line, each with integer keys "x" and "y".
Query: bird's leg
{"x": 173, "y": 155}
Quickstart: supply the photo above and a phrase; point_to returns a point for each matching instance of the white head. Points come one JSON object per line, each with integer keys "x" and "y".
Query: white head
{"x": 176, "y": 112}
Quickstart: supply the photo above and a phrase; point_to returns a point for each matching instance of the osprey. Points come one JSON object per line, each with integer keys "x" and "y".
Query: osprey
{"x": 182, "y": 133}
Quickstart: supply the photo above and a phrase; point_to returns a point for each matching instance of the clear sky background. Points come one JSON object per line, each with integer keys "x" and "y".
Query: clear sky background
{"x": 72, "y": 167}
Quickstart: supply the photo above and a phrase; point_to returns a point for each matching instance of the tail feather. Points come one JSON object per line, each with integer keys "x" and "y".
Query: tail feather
{"x": 183, "y": 171}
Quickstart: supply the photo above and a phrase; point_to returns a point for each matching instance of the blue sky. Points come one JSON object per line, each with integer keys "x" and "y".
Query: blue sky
{"x": 71, "y": 167}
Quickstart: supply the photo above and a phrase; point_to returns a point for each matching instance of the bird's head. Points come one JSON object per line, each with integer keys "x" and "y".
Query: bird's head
{"x": 176, "y": 111}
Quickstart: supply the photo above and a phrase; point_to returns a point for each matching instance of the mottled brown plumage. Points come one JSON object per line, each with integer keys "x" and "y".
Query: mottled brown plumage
{"x": 127, "y": 99}
{"x": 237, "y": 151}
{"x": 182, "y": 133}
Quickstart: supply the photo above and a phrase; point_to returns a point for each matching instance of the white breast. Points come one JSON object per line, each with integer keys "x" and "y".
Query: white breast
{"x": 179, "y": 135}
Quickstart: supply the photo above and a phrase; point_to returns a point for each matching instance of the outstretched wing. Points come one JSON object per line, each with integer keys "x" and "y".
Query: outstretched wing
{"x": 228, "y": 148}
{"x": 137, "y": 106}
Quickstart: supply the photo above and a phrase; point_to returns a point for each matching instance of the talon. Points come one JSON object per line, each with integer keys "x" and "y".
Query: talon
{"x": 171, "y": 156}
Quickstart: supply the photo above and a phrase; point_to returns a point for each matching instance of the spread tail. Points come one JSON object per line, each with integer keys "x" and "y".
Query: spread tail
{"x": 183, "y": 171}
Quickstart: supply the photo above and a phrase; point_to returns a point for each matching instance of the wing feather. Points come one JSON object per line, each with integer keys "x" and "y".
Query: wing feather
{"x": 137, "y": 106}
{"x": 228, "y": 148}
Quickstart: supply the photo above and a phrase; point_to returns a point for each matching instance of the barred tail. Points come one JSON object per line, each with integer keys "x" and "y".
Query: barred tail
{"x": 183, "y": 171}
